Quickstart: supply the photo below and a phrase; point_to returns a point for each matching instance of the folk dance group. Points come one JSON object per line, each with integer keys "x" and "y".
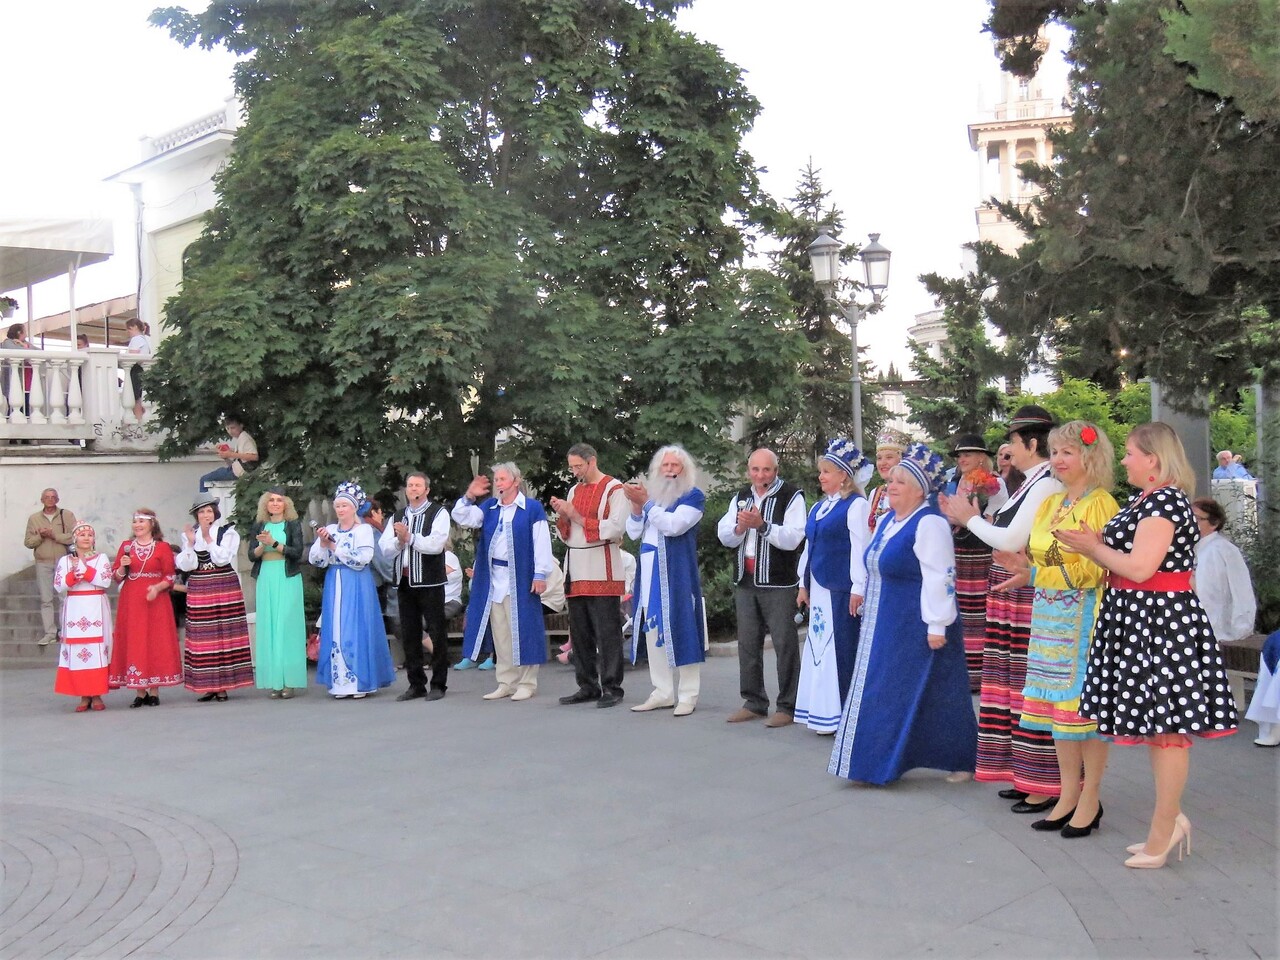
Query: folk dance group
{"x": 1074, "y": 618}
{"x": 1077, "y": 618}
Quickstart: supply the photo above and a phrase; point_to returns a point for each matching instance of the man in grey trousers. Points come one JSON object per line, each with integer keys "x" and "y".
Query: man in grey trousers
{"x": 765, "y": 525}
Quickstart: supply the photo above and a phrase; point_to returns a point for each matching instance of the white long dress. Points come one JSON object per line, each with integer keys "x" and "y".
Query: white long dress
{"x": 818, "y": 700}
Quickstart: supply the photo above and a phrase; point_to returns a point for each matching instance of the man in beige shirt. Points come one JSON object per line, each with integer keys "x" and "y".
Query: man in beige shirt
{"x": 48, "y": 536}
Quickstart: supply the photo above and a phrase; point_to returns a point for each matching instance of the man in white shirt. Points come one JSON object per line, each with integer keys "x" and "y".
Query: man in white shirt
{"x": 417, "y": 540}
{"x": 765, "y": 525}
{"x": 513, "y": 560}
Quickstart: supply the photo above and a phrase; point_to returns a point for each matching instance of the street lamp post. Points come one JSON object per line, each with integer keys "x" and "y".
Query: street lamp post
{"x": 824, "y": 259}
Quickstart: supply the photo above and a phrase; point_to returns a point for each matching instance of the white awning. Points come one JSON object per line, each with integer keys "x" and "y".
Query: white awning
{"x": 36, "y": 249}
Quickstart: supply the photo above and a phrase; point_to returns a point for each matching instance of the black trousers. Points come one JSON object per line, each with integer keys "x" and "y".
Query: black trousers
{"x": 419, "y": 607}
{"x": 595, "y": 628}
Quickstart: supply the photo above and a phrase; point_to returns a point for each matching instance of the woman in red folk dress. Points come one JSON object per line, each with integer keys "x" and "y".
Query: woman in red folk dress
{"x": 83, "y": 577}
{"x": 144, "y": 655}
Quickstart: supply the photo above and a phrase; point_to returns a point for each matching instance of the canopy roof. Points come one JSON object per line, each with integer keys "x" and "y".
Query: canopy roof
{"x": 36, "y": 249}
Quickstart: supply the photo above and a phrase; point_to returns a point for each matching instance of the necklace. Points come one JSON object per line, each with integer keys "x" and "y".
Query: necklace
{"x": 1067, "y": 507}
{"x": 143, "y": 552}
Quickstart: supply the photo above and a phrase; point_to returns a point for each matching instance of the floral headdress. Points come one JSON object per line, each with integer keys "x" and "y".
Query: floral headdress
{"x": 350, "y": 490}
{"x": 925, "y": 466}
{"x": 844, "y": 453}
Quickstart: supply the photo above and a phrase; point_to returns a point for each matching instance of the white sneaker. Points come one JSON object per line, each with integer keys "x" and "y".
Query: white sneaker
{"x": 655, "y": 702}
{"x": 522, "y": 693}
{"x": 499, "y": 693}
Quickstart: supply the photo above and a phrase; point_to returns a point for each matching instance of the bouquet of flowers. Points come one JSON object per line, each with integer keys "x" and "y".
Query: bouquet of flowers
{"x": 981, "y": 485}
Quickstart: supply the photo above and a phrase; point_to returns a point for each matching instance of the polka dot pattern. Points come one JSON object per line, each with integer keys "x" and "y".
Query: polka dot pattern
{"x": 1154, "y": 665}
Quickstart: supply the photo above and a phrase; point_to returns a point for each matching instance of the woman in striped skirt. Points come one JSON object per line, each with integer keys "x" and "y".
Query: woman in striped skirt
{"x": 975, "y": 479}
{"x": 1068, "y": 587}
{"x": 217, "y": 656}
{"x": 1007, "y": 751}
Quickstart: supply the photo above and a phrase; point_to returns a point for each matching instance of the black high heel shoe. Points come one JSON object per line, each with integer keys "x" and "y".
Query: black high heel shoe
{"x": 1057, "y": 823}
{"x": 1013, "y": 793}
{"x": 221, "y": 696}
{"x": 153, "y": 700}
{"x": 139, "y": 701}
{"x": 211, "y": 695}
{"x": 1022, "y": 806}
{"x": 1071, "y": 832}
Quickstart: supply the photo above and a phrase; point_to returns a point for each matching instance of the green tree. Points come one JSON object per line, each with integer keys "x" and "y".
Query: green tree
{"x": 445, "y": 219}
{"x": 1233, "y": 48}
{"x": 957, "y": 392}
{"x": 818, "y": 409}
{"x": 1152, "y": 250}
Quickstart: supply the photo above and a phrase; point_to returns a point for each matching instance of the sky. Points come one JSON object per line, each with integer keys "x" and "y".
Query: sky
{"x": 877, "y": 95}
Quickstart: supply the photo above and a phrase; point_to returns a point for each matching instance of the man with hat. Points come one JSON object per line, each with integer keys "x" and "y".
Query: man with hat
{"x": 765, "y": 525}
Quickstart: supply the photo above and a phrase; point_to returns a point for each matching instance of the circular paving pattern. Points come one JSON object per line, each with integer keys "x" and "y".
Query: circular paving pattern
{"x": 105, "y": 878}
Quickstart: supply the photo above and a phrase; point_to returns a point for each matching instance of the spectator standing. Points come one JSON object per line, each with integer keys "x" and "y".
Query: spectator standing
{"x": 1222, "y": 578}
{"x": 276, "y": 558}
{"x": 48, "y": 536}
{"x": 139, "y": 346}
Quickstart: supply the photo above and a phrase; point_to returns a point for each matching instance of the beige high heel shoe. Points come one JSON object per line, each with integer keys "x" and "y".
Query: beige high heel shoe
{"x": 1147, "y": 861}
{"x": 1181, "y": 821}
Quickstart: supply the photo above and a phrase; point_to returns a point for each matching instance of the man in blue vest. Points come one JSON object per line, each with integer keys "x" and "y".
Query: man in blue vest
{"x": 765, "y": 525}
{"x": 513, "y": 559}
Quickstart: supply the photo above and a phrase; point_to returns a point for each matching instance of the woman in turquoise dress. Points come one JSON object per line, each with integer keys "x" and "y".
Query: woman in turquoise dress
{"x": 280, "y": 661}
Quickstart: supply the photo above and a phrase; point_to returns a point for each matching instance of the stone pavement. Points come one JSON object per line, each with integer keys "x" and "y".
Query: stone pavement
{"x": 464, "y": 828}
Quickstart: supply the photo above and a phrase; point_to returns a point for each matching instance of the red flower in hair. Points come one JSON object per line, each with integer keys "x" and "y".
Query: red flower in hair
{"x": 1088, "y": 436}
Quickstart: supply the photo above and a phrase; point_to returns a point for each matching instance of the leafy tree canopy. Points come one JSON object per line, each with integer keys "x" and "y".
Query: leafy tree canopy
{"x": 957, "y": 392}
{"x": 443, "y": 219}
{"x": 818, "y": 409}
{"x": 1155, "y": 249}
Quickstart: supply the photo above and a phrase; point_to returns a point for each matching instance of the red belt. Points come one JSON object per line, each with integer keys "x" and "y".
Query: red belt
{"x": 1161, "y": 582}
{"x": 89, "y": 593}
{"x": 751, "y": 565}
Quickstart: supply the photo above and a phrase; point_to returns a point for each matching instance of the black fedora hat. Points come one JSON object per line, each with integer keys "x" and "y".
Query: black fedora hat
{"x": 969, "y": 443}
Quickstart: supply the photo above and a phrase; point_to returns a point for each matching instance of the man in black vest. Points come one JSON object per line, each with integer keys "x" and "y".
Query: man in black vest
{"x": 417, "y": 540}
{"x": 765, "y": 524}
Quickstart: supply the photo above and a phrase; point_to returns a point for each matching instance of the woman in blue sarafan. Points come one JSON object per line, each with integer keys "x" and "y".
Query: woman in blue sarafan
{"x": 836, "y": 535}
{"x": 354, "y": 657}
{"x": 909, "y": 704}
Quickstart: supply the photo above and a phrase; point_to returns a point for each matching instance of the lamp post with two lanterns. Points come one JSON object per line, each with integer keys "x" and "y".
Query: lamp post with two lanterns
{"x": 824, "y": 259}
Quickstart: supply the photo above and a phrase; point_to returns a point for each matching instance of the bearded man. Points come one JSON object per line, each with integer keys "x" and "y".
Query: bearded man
{"x": 668, "y": 621}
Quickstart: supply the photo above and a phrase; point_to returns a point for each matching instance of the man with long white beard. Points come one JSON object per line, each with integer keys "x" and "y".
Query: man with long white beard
{"x": 669, "y": 618}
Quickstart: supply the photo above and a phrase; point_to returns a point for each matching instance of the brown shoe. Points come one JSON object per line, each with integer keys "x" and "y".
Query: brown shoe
{"x": 779, "y": 719}
{"x": 743, "y": 715}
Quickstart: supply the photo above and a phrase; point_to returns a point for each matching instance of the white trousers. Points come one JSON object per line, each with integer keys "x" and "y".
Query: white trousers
{"x": 505, "y": 671}
{"x": 681, "y": 684}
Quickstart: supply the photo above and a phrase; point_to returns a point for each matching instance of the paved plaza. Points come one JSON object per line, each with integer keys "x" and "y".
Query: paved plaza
{"x": 465, "y": 828}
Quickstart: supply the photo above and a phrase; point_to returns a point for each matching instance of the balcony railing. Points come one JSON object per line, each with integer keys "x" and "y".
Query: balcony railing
{"x": 53, "y": 396}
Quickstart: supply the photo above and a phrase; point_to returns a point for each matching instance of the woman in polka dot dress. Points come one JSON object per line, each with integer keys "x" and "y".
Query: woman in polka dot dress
{"x": 1154, "y": 675}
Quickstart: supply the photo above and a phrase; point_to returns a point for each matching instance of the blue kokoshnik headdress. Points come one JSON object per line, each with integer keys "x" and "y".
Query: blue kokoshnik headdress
{"x": 925, "y": 466}
{"x": 844, "y": 453}
{"x": 350, "y": 490}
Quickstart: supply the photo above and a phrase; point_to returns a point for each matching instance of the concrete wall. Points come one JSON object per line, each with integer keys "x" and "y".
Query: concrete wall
{"x": 103, "y": 489}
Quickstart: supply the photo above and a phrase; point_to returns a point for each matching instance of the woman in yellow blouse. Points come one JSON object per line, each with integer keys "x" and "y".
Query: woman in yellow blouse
{"x": 1067, "y": 590}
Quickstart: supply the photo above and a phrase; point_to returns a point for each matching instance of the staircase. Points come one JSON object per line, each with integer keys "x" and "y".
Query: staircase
{"x": 20, "y": 625}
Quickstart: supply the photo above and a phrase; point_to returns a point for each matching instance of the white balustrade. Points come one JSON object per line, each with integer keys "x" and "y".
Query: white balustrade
{"x": 56, "y": 396}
